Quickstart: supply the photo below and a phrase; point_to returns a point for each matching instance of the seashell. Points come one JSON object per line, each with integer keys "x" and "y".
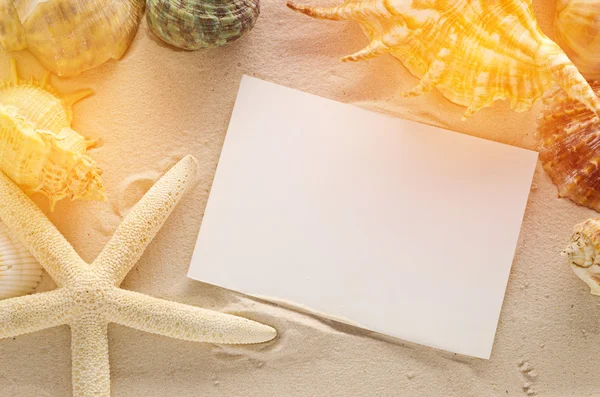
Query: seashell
{"x": 70, "y": 36}
{"x": 474, "y": 52}
{"x": 577, "y": 31}
{"x": 20, "y": 273}
{"x": 195, "y": 24}
{"x": 38, "y": 149}
{"x": 569, "y": 136}
{"x": 12, "y": 33}
{"x": 583, "y": 253}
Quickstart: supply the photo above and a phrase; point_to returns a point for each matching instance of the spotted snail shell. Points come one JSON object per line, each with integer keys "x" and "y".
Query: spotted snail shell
{"x": 195, "y": 24}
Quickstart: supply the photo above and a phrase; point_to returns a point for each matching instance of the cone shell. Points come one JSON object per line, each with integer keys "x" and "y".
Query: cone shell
{"x": 195, "y": 24}
{"x": 569, "y": 136}
{"x": 577, "y": 31}
{"x": 583, "y": 253}
{"x": 70, "y": 36}
{"x": 38, "y": 149}
{"x": 20, "y": 273}
{"x": 474, "y": 52}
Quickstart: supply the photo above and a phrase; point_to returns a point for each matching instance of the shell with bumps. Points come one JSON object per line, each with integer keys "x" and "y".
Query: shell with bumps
{"x": 38, "y": 149}
{"x": 577, "y": 31}
{"x": 70, "y": 36}
{"x": 583, "y": 253}
{"x": 196, "y": 24}
{"x": 569, "y": 136}
{"x": 20, "y": 273}
{"x": 474, "y": 52}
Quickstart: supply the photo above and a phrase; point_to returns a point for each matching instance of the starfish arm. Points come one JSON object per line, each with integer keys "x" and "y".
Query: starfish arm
{"x": 32, "y": 313}
{"x": 90, "y": 366}
{"x": 29, "y": 224}
{"x": 180, "y": 321}
{"x": 143, "y": 222}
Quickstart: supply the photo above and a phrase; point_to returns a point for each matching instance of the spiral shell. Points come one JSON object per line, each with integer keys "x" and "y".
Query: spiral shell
{"x": 474, "y": 52}
{"x": 20, "y": 273}
{"x": 569, "y": 136}
{"x": 38, "y": 149}
{"x": 577, "y": 31}
{"x": 70, "y": 36}
{"x": 195, "y": 24}
{"x": 583, "y": 253}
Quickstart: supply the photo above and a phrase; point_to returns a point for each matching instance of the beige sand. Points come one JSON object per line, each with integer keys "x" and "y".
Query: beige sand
{"x": 157, "y": 105}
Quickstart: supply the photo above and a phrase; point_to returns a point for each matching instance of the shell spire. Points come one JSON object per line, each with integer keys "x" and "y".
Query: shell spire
{"x": 473, "y": 52}
{"x": 38, "y": 148}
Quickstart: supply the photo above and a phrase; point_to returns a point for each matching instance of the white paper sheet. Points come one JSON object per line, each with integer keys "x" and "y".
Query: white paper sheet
{"x": 403, "y": 228}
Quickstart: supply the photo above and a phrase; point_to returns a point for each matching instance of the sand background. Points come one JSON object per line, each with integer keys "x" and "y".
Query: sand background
{"x": 158, "y": 104}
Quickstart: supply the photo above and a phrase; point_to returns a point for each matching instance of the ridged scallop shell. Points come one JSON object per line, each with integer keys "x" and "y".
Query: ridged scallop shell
{"x": 569, "y": 136}
{"x": 38, "y": 149}
{"x": 195, "y": 24}
{"x": 583, "y": 253}
{"x": 70, "y": 36}
{"x": 474, "y": 52}
{"x": 20, "y": 273}
{"x": 577, "y": 31}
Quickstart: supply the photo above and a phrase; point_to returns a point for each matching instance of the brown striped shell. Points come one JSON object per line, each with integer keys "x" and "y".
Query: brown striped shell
{"x": 569, "y": 136}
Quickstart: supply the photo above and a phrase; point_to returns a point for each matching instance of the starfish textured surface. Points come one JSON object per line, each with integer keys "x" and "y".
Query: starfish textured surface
{"x": 88, "y": 296}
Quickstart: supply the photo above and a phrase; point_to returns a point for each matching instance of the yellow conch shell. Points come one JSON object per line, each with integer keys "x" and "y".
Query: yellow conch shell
{"x": 474, "y": 52}
{"x": 38, "y": 149}
{"x": 70, "y": 36}
{"x": 577, "y": 30}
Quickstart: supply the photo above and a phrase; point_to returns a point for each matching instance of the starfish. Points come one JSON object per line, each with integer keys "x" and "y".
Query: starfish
{"x": 88, "y": 296}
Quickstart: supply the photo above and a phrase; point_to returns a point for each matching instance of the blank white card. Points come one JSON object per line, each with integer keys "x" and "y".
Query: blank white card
{"x": 402, "y": 228}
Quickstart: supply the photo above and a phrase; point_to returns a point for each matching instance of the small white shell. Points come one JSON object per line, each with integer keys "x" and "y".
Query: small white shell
{"x": 20, "y": 273}
{"x": 583, "y": 253}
